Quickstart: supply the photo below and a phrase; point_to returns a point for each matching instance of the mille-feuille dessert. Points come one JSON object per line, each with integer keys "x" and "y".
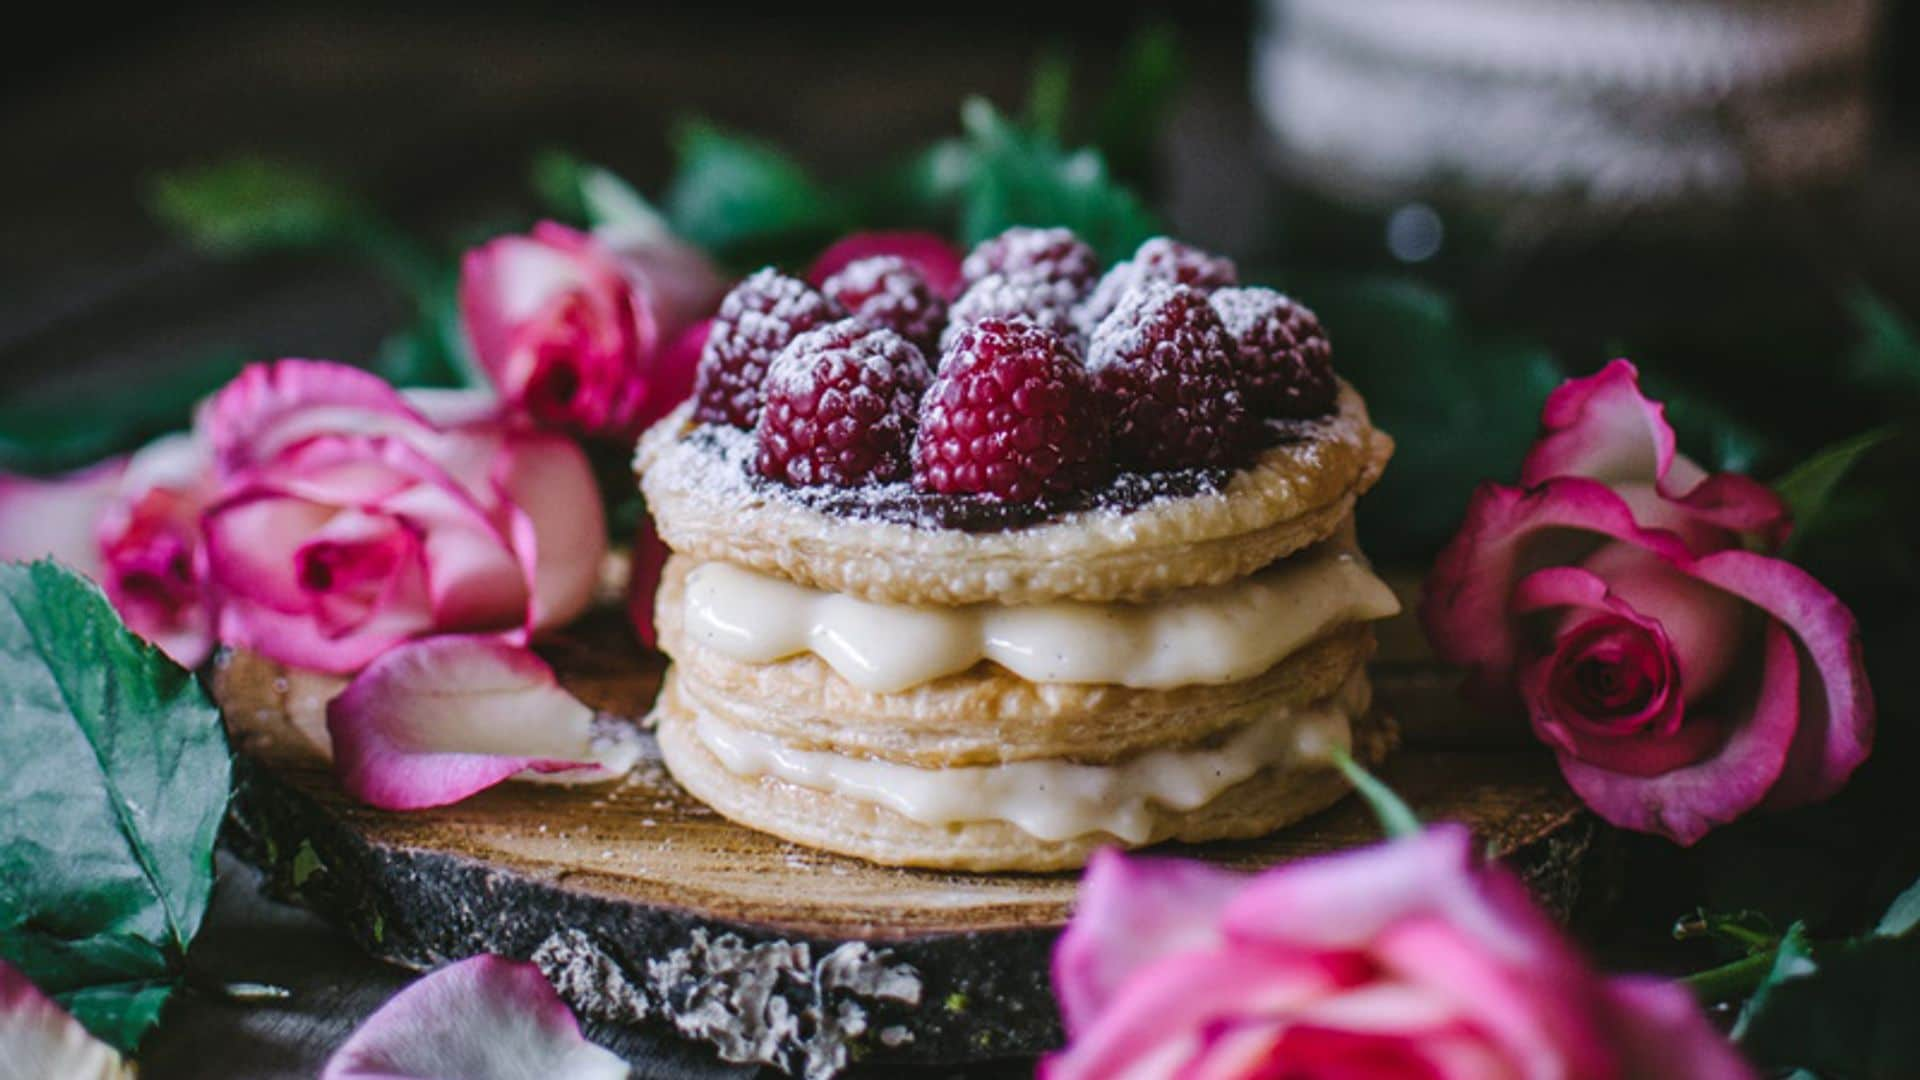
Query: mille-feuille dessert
{"x": 1070, "y": 563}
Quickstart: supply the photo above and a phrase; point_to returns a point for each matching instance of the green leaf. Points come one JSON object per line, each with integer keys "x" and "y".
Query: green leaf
{"x": 1809, "y": 487}
{"x": 434, "y": 350}
{"x": 1464, "y": 406}
{"x": 1843, "y": 1010}
{"x": 1792, "y": 959}
{"x": 744, "y": 200}
{"x": 1049, "y": 95}
{"x": 38, "y": 434}
{"x": 1396, "y": 818}
{"x": 250, "y": 204}
{"x": 108, "y": 812}
{"x": 1902, "y": 915}
{"x": 1022, "y": 178}
{"x": 1887, "y": 358}
{"x": 120, "y": 1013}
{"x": 591, "y": 195}
{"x": 247, "y": 206}
{"x": 1136, "y": 107}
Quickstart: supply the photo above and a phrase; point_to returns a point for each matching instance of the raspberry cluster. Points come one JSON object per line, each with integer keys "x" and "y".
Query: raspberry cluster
{"x": 1050, "y": 376}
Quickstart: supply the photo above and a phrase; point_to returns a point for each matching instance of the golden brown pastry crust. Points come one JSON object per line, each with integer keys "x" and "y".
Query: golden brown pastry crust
{"x": 1293, "y": 495}
{"x": 1269, "y": 800}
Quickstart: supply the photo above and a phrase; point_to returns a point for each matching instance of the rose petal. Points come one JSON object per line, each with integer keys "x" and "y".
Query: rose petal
{"x": 559, "y": 527}
{"x": 1129, "y": 913}
{"x": 650, "y": 555}
{"x": 1163, "y": 1010}
{"x": 484, "y": 1018}
{"x": 1346, "y": 900}
{"x": 929, "y": 253}
{"x": 269, "y": 407}
{"x": 1685, "y": 803}
{"x": 40, "y": 1039}
{"x": 58, "y": 518}
{"x": 1509, "y": 532}
{"x": 1659, "y": 1031}
{"x": 673, "y": 373}
{"x": 1603, "y": 428}
{"x": 433, "y": 721}
{"x": 1836, "y": 710}
{"x": 681, "y": 285}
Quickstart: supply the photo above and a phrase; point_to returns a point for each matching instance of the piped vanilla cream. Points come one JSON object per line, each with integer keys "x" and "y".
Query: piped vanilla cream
{"x": 1053, "y": 800}
{"x": 1217, "y": 634}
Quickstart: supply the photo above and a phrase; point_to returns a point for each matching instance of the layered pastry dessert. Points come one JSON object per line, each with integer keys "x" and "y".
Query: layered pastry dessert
{"x": 988, "y": 584}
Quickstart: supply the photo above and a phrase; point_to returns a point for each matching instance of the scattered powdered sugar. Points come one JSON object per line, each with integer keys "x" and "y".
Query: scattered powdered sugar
{"x": 1045, "y": 302}
{"x": 726, "y": 471}
{"x": 1051, "y": 253}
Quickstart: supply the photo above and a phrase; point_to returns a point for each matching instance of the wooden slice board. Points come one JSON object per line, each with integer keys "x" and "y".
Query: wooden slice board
{"x": 647, "y": 909}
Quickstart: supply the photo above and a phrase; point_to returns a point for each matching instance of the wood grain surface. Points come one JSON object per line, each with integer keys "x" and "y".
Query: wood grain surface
{"x": 649, "y": 910}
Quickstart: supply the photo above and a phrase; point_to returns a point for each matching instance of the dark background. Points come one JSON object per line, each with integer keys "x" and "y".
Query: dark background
{"x": 434, "y": 114}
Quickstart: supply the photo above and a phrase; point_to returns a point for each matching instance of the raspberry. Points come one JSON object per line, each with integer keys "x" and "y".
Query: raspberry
{"x": 840, "y": 407}
{"x": 886, "y": 291}
{"x": 1286, "y": 363}
{"x": 1157, "y": 260}
{"x": 1043, "y": 302}
{"x": 1053, "y": 254}
{"x": 1012, "y": 416}
{"x": 756, "y": 320}
{"x": 1165, "y": 368}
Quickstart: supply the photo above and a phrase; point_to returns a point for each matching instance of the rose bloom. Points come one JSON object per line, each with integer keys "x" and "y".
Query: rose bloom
{"x": 1407, "y": 959}
{"x": 350, "y": 517}
{"x": 132, "y": 524}
{"x": 1625, "y": 600}
{"x": 593, "y": 333}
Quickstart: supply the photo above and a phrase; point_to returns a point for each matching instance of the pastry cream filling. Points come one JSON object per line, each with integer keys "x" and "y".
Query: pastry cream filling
{"x": 1216, "y": 634}
{"x": 1053, "y": 800}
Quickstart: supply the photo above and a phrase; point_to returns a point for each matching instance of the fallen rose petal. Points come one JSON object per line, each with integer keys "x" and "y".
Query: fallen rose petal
{"x": 40, "y": 1039}
{"x": 937, "y": 261}
{"x": 1129, "y": 913}
{"x": 435, "y": 720}
{"x": 1659, "y": 1030}
{"x": 484, "y": 1018}
{"x": 58, "y": 518}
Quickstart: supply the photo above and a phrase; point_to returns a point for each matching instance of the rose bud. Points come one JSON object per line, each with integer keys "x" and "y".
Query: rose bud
{"x": 578, "y": 330}
{"x": 1625, "y": 601}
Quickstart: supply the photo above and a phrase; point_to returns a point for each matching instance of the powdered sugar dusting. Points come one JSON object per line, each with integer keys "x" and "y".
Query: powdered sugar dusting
{"x": 1047, "y": 303}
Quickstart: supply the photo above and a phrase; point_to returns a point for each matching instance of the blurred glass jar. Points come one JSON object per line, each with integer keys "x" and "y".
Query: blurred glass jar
{"x": 1588, "y": 107}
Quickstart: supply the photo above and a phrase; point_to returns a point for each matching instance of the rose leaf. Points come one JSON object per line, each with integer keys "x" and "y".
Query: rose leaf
{"x": 117, "y": 781}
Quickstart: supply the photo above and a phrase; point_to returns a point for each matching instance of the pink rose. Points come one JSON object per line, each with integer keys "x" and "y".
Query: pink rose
{"x": 1409, "y": 958}
{"x": 580, "y": 331}
{"x": 351, "y": 518}
{"x": 936, "y": 260}
{"x": 1623, "y": 597}
{"x": 132, "y": 524}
